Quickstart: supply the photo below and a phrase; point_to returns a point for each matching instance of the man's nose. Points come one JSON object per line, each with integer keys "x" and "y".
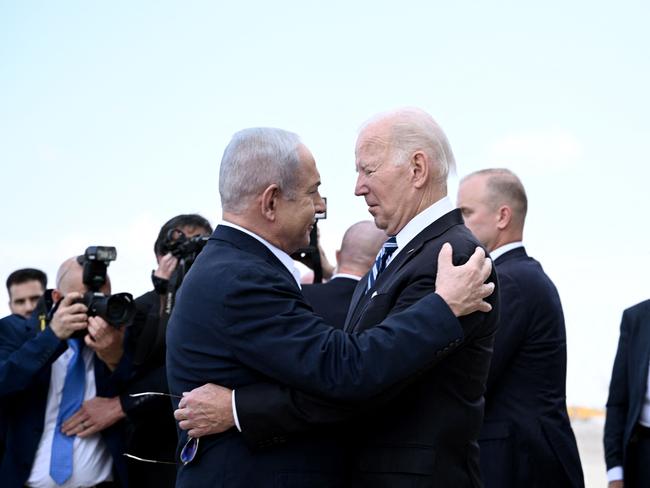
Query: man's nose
{"x": 320, "y": 206}
{"x": 360, "y": 187}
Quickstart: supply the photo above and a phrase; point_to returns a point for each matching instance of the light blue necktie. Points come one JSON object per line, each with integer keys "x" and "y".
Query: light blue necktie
{"x": 71, "y": 400}
{"x": 389, "y": 247}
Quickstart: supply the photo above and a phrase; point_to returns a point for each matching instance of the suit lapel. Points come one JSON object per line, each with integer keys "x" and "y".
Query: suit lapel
{"x": 360, "y": 299}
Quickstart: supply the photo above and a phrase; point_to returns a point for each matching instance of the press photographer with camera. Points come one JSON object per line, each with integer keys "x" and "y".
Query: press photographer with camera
{"x": 150, "y": 421}
{"x": 58, "y": 372}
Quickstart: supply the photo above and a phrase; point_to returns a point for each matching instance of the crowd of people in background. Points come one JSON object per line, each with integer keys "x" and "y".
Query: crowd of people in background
{"x": 417, "y": 362}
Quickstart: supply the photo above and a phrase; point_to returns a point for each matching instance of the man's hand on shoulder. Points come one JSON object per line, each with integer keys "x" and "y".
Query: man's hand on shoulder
{"x": 205, "y": 410}
{"x": 463, "y": 287}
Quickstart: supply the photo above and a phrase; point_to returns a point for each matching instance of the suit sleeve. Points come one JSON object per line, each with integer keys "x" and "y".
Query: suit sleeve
{"x": 617, "y": 402}
{"x": 283, "y": 338}
{"x": 269, "y": 412}
{"x": 21, "y": 359}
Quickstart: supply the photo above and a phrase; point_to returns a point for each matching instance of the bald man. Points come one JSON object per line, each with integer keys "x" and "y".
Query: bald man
{"x": 361, "y": 243}
{"x": 37, "y": 360}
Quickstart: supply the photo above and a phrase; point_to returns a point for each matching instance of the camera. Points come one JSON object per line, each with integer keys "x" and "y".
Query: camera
{"x": 118, "y": 309}
{"x": 183, "y": 247}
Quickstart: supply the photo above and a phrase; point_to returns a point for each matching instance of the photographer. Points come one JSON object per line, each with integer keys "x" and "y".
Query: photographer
{"x": 49, "y": 366}
{"x": 151, "y": 425}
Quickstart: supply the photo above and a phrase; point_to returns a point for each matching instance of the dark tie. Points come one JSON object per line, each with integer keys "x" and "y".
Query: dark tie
{"x": 71, "y": 400}
{"x": 389, "y": 247}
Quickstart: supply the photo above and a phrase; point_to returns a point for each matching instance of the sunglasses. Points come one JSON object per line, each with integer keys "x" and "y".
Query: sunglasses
{"x": 191, "y": 447}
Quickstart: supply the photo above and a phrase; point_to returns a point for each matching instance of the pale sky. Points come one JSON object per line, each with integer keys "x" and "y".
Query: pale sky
{"x": 114, "y": 116}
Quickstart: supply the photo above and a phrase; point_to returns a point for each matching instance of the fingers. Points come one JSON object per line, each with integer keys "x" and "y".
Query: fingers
{"x": 445, "y": 255}
{"x": 70, "y": 299}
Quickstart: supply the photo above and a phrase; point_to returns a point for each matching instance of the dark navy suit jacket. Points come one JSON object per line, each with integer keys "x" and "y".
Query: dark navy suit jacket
{"x": 331, "y": 300}
{"x": 240, "y": 318}
{"x": 627, "y": 389}
{"x": 527, "y": 439}
{"x": 422, "y": 432}
{"x": 26, "y": 357}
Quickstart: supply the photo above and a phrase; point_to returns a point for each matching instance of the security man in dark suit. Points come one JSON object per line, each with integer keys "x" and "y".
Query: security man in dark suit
{"x": 627, "y": 425}
{"x": 418, "y": 433}
{"x": 361, "y": 243}
{"x": 526, "y": 439}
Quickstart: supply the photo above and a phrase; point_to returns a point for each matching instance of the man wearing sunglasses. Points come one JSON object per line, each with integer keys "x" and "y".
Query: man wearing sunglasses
{"x": 240, "y": 318}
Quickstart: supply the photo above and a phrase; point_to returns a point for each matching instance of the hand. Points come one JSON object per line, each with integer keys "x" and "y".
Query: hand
{"x": 95, "y": 415}
{"x": 615, "y": 484}
{"x": 166, "y": 266}
{"x": 463, "y": 287}
{"x": 205, "y": 410}
{"x": 107, "y": 341}
{"x": 69, "y": 317}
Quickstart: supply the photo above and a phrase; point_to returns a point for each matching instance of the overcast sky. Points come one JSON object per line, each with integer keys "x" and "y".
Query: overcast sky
{"x": 114, "y": 115}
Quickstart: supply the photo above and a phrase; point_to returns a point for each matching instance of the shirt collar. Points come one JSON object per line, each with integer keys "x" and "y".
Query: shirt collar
{"x": 420, "y": 222}
{"x": 284, "y": 258}
{"x": 345, "y": 275}
{"x": 500, "y": 251}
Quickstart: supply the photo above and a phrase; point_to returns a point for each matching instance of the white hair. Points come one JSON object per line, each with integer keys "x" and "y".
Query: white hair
{"x": 254, "y": 159}
{"x": 412, "y": 129}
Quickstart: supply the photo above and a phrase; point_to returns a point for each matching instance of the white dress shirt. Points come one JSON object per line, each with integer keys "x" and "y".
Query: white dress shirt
{"x": 500, "y": 251}
{"x": 91, "y": 461}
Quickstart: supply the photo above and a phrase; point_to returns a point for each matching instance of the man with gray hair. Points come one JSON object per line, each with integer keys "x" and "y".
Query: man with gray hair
{"x": 526, "y": 439}
{"x": 240, "y": 318}
{"x": 421, "y": 432}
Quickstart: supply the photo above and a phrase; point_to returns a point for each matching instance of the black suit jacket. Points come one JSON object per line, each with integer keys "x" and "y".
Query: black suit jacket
{"x": 423, "y": 432}
{"x": 527, "y": 439}
{"x": 240, "y": 318}
{"x": 331, "y": 300}
{"x": 628, "y": 385}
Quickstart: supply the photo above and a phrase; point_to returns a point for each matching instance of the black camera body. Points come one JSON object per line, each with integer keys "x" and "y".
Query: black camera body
{"x": 118, "y": 309}
{"x": 183, "y": 247}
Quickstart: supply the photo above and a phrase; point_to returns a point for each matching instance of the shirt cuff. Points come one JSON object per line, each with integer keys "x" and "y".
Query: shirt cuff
{"x": 234, "y": 413}
{"x": 614, "y": 474}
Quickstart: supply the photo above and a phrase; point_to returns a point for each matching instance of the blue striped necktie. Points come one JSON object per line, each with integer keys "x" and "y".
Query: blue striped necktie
{"x": 389, "y": 247}
{"x": 71, "y": 400}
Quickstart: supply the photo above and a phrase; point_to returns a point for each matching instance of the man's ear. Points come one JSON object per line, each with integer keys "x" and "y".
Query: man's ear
{"x": 504, "y": 217}
{"x": 269, "y": 202}
{"x": 419, "y": 169}
{"x": 56, "y": 295}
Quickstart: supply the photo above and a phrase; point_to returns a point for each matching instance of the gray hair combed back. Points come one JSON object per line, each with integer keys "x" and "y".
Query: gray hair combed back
{"x": 413, "y": 129}
{"x": 254, "y": 159}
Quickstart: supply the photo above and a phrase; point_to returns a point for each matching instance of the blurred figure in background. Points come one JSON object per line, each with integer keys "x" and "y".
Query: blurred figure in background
{"x": 25, "y": 288}
{"x": 627, "y": 425}
{"x": 331, "y": 300}
{"x": 151, "y": 428}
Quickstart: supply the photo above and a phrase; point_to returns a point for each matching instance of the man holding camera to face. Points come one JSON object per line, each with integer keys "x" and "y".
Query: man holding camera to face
{"x": 151, "y": 428}
{"x": 57, "y": 372}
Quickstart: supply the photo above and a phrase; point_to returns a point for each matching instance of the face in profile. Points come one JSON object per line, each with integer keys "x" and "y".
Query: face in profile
{"x": 297, "y": 211}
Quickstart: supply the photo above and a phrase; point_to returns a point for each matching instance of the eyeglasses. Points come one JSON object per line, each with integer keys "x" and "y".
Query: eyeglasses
{"x": 191, "y": 447}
